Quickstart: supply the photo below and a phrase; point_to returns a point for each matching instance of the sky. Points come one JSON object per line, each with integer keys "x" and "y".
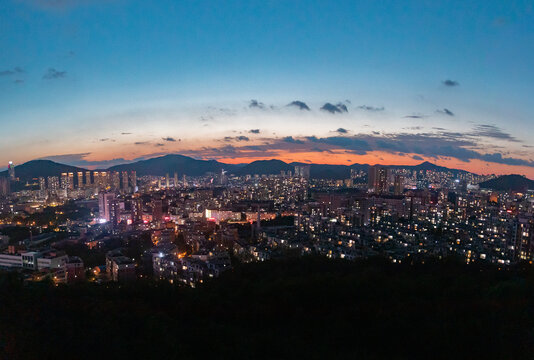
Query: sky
{"x": 95, "y": 83}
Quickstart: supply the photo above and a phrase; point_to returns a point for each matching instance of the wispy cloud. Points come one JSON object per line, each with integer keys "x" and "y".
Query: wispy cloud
{"x": 53, "y": 74}
{"x": 256, "y": 104}
{"x": 169, "y": 139}
{"x": 236, "y": 138}
{"x": 371, "y": 108}
{"x": 254, "y": 131}
{"x": 492, "y": 131}
{"x": 14, "y": 71}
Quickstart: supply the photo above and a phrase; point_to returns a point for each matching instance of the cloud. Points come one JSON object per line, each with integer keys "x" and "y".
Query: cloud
{"x": 415, "y": 116}
{"x": 126, "y": 133}
{"x": 442, "y": 145}
{"x": 236, "y": 138}
{"x": 254, "y": 131}
{"x": 140, "y": 142}
{"x": 492, "y": 131}
{"x": 445, "y": 112}
{"x": 299, "y": 104}
{"x": 290, "y": 139}
{"x": 169, "y": 139}
{"x": 14, "y": 71}
{"x": 451, "y": 83}
{"x": 159, "y": 144}
{"x": 333, "y": 109}
{"x": 342, "y": 131}
{"x": 105, "y": 139}
{"x": 19, "y": 81}
{"x": 52, "y": 74}
{"x": 371, "y": 108}
{"x": 256, "y": 104}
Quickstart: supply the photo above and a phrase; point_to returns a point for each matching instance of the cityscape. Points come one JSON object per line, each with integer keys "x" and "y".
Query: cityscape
{"x": 266, "y": 180}
{"x": 188, "y": 228}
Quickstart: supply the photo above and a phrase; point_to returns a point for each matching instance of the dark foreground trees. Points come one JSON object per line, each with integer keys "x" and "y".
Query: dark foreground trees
{"x": 297, "y": 308}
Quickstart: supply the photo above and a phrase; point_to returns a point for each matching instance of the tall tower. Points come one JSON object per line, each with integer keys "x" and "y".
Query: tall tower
{"x": 104, "y": 205}
{"x": 175, "y": 179}
{"x": 115, "y": 180}
{"x": 125, "y": 186}
{"x": 64, "y": 184}
{"x": 133, "y": 180}
{"x": 88, "y": 179}
{"x": 71, "y": 181}
{"x": 167, "y": 181}
{"x": 11, "y": 170}
{"x": 80, "y": 179}
{"x": 378, "y": 179}
{"x": 399, "y": 185}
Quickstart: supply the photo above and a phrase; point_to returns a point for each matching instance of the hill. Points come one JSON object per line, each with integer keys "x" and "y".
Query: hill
{"x": 169, "y": 164}
{"x": 265, "y": 167}
{"x": 509, "y": 183}
{"x": 36, "y": 168}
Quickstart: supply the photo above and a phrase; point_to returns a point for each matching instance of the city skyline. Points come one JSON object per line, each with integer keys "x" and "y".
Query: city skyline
{"x": 95, "y": 84}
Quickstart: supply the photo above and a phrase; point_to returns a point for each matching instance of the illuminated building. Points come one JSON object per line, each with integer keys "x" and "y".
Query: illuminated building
{"x": 303, "y": 171}
{"x": 378, "y": 179}
{"x": 104, "y": 205}
{"x": 80, "y": 179}
{"x": 133, "y": 181}
{"x": 11, "y": 170}
{"x": 70, "y": 181}
{"x": 125, "y": 185}
{"x": 4, "y": 186}
{"x": 399, "y": 185}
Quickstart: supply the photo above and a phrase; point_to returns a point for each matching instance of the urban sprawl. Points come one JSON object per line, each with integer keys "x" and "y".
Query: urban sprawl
{"x": 115, "y": 226}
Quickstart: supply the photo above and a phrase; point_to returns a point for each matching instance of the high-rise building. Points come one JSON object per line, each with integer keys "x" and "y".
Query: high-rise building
{"x": 302, "y": 171}
{"x": 104, "y": 205}
{"x": 80, "y": 179}
{"x": 167, "y": 181}
{"x": 42, "y": 187}
{"x": 125, "y": 185}
{"x": 133, "y": 181}
{"x": 71, "y": 181}
{"x": 11, "y": 170}
{"x": 175, "y": 179}
{"x": 398, "y": 185}
{"x": 53, "y": 184}
{"x": 378, "y": 179}
{"x": 115, "y": 181}
{"x": 104, "y": 180}
{"x": 114, "y": 211}
{"x": 157, "y": 210}
{"x": 137, "y": 209}
{"x": 64, "y": 184}
{"x": 5, "y": 188}
{"x": 97, "y": 181}
{"x": 88, "y": 179}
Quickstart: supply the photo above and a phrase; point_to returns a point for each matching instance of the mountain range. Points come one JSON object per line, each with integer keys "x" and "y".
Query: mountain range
{"x": 184, "y": 165}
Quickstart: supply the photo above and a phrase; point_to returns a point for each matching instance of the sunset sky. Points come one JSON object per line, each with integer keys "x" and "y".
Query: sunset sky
{"x": 95, "y": 83}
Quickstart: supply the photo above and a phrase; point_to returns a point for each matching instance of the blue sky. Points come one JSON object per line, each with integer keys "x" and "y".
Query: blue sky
{"x": 75, "y": 72}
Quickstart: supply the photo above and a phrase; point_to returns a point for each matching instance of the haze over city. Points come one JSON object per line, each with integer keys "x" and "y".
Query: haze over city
{"x": 100, "y": 83}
